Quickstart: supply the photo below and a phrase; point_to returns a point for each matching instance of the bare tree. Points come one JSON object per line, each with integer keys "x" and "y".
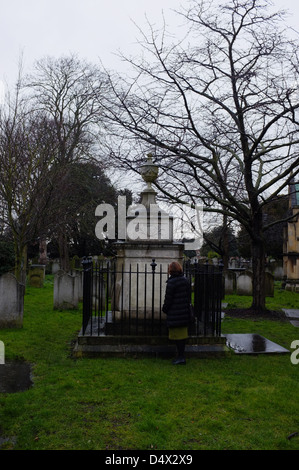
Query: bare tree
{"x": 220, "y": 110}
{"x": 69, "y": 91}
{"x": 50, "y": 124}
{"x": 27, "y": 153}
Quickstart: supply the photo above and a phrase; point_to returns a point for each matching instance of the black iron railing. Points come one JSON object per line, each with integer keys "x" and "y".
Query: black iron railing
{"x": 208, "y": 292}
{"x": 119, "y": 301}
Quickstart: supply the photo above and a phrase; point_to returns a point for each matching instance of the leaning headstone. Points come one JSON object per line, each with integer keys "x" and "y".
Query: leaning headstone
{"x": 244, "y": 283}
{"x": 66, "y": 291}
{"x": 11, "y": 302}
{"x": 36, "y": 275}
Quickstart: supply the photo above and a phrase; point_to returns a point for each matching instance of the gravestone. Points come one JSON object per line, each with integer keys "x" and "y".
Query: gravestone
{"x": 11, "y": 302}
{"x": 79, "y": 275}
{"x": 269, "y": 284}
{"x": 36, "y": 275}
{"x": 66, "y": 291}
{"x": 55, "y": 266}
{"x": 249, "y": 343}
{"x": 229, "y": 282}
{"x": 76, "y": 263}
{"x": 241, "y": 283}
{"x": 278, "y": 273}
{"x": 244, "y": 283}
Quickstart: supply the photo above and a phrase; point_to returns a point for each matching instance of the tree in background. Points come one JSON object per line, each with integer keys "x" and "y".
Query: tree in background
{"x": 50, "y": 125}
{"x": 27, "y": 152}
{"x": 222, "y": 241}
{"x": 273, "y": 212}
{"x": 69, "y": 91}
{"x": 76, "y": 197}
{"x": 7, "y": 256}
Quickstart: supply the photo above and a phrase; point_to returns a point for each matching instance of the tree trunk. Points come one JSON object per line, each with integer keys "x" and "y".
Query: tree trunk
{"x": 258, "y": 268}
{"x": 20, "y": 262}
{"x": 225, "y": 243}
{"x": 43, "y": 258}
{"x": 64, "y": 252}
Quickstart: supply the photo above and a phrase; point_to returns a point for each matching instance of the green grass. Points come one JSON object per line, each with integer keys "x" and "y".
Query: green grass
{"x": 233, "y": 402}
{"x": 281, "y": 299}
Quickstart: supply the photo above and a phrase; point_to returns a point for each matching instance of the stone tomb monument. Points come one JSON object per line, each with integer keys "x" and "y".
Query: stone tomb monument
{"x": 150, "y": 239}
{"x": 133, "y": 321}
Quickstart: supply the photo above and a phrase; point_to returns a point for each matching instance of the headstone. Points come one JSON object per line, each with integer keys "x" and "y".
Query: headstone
{"x": 36, "y": 275}
{"x": 230, "y": 282}
{"x": 244, "y": 283}
{"x": 76, "y": 262}
{"x": 66, "y": 291}
{"x": 79, "y": 275}
{"x": 269, "y": 284}
{"x": 278, "y": 273}
{"x": 11, "y": 302}
{"x": 55, "y": 266}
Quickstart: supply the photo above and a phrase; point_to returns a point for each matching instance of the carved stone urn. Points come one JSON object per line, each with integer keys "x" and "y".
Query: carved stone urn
{"x": 149, "y": 171}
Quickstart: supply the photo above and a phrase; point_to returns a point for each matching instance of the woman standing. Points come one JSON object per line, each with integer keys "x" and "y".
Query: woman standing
{"x": 177, "y": 308}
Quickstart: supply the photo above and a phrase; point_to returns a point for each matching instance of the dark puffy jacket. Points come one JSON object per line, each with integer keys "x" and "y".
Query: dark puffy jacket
{"x": 177, "y": 301}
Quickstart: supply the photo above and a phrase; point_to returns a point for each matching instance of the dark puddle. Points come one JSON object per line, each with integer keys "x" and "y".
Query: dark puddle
{"x": 15, "y": 377}
{"x": 252, "y": 344}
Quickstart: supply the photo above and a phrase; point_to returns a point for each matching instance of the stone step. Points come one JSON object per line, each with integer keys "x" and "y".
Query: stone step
{"x": 147, "y": 350}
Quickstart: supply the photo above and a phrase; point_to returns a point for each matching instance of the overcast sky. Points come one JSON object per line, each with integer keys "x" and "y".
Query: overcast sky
{"x": 94, "y": 29}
